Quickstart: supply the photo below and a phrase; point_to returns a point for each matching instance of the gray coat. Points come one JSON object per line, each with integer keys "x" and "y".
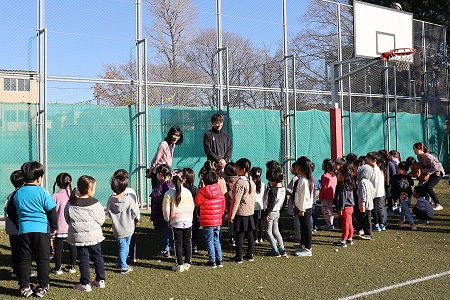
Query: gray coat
{"x": 85, "y": 219}
{"x": 366, "y": 191}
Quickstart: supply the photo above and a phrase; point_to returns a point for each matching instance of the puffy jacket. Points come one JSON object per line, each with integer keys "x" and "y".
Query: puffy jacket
{"x": 212, "y": 205}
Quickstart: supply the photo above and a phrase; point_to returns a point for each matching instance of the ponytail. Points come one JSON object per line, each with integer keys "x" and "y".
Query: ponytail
{"x": 307, "y": 167}
{"x": 244, "y": 163}
{"x": 256, "y": 176}
{"x": 177, "y": 183}
{"x": 73, "y": 196}
{"x": 63, "y": 181}
{"x": 84, "y": 183}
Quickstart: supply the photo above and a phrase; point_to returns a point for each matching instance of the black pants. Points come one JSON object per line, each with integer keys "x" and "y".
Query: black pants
{"x": 182, "y": 241}
{"x": 59, "y": 245}
{"x": 240, "y": 242}
{"x": 37, "y": 244}
{"x": 155, "y": 180}
{"x": 259, "y": 225}
{"x": 422, "y": 215}
{"x": 379, "y": 206}
{"x": 305, "y": 229}
{"x": 366, "y": 222}
{"x": 195, "y": 226}
{"x": 14, "y": 243}
{"x": 132, "y": 249}
{"x": 84, "y": 255}
{"x": 429, "y": 185}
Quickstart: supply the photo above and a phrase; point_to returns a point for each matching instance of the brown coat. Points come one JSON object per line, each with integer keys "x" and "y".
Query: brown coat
{"x": 418, "y": 173}
{"x": 243, "y": 203}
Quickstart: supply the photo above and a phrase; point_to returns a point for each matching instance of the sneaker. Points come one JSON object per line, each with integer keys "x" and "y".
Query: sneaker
{"x": 70, "y": 269}
{"x": 83, "y": 287}
{"x": 249, "y": 257}
{"x": 327, "y": 228}
{"x": 27, "y": 292}
{"x": 283, "y": 253}
{"x": 413, "y": 227}
{"x": 438, "y": 207}
{"x": 400, "y": 224}
{"x": 383, "y": 227}
{"x": 424, "y": 222}
{"x": 341, "y": 244}
{"x": 377, "y": 228}
{"x": 127, "y": 270}
{"x": 274, "y": 254}
{"x": 236, "y": 260}
{"x": 232, "y": 242}
{"x": 303, "y": 252}
{"x": 178, "y": 268}
{"x": 261, "y": 241}
{"x": 365, "y": 237}
{"x": 100, "y": 284}
{"x": 361, "y": 232}
{"x": 211, "y": 264}
{"x": 41, "y": 291}
{"x": 194, "y": 249}
{"x": 349, "y": 242}
{"x": 33, "y": 273}
{"x": 256, "y": 241}
{"x": 186, "y": 266}
{"x": 164, "y": 254}
{"x": 220, "y": 264}
{"x": 57, "y": 271}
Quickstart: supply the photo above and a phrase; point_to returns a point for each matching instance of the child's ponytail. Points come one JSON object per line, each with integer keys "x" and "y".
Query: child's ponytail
{"x": 256, "y": 176}
{"x": 73, "y": 196}
{"x": 244, "y": 163}
{"x": 177, "y": 183}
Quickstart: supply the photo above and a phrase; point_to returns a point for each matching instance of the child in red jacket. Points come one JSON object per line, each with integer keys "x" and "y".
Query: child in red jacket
{"x": 212, "y": 205}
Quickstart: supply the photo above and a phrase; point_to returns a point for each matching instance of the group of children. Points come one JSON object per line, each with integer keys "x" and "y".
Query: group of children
{"x": 357, "y": 188}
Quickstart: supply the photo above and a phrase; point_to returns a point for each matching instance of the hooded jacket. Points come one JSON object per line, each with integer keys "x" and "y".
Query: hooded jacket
{"x": 212, "y": 205}
{"x": 217, "y": 145}
{"x": 366, "y": 191}
{"x": 123, "y": 210}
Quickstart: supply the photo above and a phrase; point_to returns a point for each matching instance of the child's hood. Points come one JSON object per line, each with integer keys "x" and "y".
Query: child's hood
{"x": 364, "y": 172}
{"x": 119, "y": 204}
{"x": 211, "y": 191}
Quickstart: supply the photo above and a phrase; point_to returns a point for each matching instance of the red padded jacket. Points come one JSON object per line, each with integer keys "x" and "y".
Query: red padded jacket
{"x": 212, "y": 205}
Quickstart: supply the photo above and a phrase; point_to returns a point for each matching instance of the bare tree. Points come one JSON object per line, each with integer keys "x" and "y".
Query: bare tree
{"x": 171, "y": 28}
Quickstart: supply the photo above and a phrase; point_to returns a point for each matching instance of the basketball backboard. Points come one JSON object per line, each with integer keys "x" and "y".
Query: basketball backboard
{"x": 379, "y": 29}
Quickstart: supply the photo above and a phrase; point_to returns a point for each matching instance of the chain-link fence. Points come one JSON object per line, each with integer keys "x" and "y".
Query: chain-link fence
{"x": 277, "y": 94}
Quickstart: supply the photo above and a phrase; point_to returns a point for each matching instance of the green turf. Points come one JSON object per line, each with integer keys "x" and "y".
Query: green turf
{"x": 394, "y": 256}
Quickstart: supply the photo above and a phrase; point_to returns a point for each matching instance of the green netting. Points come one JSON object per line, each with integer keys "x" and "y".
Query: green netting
{"x": 97, "y": 140}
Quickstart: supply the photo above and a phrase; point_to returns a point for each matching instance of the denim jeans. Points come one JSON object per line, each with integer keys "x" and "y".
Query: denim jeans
{"x": 167, "y": 237}
{"x": 124, "y": 248}
{"x": 406, "y": 212}
{"x": 212, "y": 239}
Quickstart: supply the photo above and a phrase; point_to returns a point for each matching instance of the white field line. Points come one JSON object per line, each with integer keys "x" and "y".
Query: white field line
{"x": 395, "y": 286}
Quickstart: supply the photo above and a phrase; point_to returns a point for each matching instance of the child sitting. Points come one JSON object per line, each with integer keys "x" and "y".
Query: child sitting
{"x": 422, "y": 209}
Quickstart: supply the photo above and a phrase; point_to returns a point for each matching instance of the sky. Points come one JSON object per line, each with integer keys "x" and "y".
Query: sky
{"x": 84, "y": 36}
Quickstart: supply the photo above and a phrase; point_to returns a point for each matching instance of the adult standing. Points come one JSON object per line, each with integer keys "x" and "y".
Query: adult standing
{"x": 217, "y": 143}
{"x": 164, "y": 154}
{"x": 431, "y": 165}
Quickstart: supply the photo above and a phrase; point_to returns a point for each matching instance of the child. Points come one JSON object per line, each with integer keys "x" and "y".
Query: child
{"x": 64, "y": 182}
{"x": 258, "y": 213}
{"x": 326, "y": 194}
{"x": 163, "y": 174}
{"x": 212, "y": 207}
{"x": 303, "y": 204}
{"x": 178, "y": 209}
{"x": 16, "y": 179}
{"x": 124, "y": 213}
{"x": 132, "y": 193}
{"x": 345, "y": 202}
{"x": 422, "y": 209}
{"x": 395, "y": 159}
{"x": 377, "y": 180}
{"x": 401, "y": 189}
{"x": 230, "y": 178}
{"x": 242, "y": 209}
{"x": 188, "y": 176}
{"x": 416, "y": 170}
{"x": 290, "y": 191}
{"x": 275, "y": 199}
{"x": 85, "y": 216}
{"x": 366, "y": 193}
{"x": 211, "y": 166}
{"x": 32, "y": 209}
{"x": 431, "y": 165}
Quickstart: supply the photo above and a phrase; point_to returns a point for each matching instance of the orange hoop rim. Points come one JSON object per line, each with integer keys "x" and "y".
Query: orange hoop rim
{"x": 398, "y": 52}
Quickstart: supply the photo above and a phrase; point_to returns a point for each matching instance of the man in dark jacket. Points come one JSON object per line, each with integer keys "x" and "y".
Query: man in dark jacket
{"x": 217, "y": 143}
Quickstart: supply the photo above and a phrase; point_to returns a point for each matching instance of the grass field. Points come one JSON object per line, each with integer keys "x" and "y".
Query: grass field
{"x": 392, "y": 257}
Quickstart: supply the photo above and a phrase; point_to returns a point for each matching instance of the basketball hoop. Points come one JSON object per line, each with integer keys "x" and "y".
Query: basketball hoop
{"x": 402, "y": 57}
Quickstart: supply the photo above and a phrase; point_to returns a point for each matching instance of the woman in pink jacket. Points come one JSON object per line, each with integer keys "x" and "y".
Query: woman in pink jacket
{"x": 164, "y": 154}
{"x": 212, "y": 205}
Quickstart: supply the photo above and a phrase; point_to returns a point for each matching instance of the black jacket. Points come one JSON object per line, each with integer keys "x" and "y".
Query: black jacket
{"x": 217, "y": 145}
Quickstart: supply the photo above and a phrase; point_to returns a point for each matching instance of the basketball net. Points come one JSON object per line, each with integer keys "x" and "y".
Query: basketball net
{"x": 401, "y": 56}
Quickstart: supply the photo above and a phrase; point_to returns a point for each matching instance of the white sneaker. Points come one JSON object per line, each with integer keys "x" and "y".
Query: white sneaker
{"x": 438, "y": 207}
{"x": 178, "y": 268}
{"x": 83, "y": 287}
{"x": 186, "y": 267}
{"x": 100, "y": 284}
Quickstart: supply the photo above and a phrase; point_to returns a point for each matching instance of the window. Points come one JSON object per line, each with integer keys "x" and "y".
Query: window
{"x": 15, "y": 116}
{"x": 16, "y": 85}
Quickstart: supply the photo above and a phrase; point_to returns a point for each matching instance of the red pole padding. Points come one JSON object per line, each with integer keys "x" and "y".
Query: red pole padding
{"x": 336, "y": 133}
